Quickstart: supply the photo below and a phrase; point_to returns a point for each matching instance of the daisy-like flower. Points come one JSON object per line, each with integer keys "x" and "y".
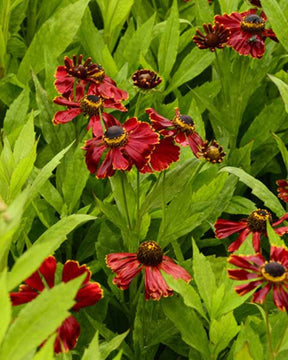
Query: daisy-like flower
{"x": 123, "y": 145}
{"x": 89, "y": 105}
{"x": 247, "y": 32}
{"x": 83, "y": 74}
{"x": 212, "y": 152}
{"x": 282, "y": 189}
{"x": 182, "y": 128}
{"x": 162, "y": 156}
{"x": 263, "y": 275}
{"x": 89, "y": 294}
{"x": 216, "y": 37}
{"x": 255, "y": 224}
{"x": 146, "y": 79}
{"x": 149, "y": 258}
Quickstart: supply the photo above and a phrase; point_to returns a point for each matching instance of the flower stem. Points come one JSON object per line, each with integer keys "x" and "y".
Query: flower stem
{"x": 125, "y": 199}
{"x": 163, "y": 221}
{"x": 138, "y": 104}
{"x": 268, "y": 331}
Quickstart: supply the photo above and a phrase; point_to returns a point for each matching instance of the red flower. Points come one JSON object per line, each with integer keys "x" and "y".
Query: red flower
{"x": 216, "y": 37}
{"x": 150, "y": 258}
{"x": 264, "y": 275}
{"x": 91, "y": 73}
{"x": 146, "y": 79}
{"x": 162, "y": 156}
{"x": 90, "y": 105}
{"x": 123, "y": 145}
{"x": 255, "y": 224}
{"x": 283, "y": 189}
{"x": 247, "y": 32}
{"x": 181, "y": 127}
{"x": 89, "y": 294}
{"x": 212, "y": 152}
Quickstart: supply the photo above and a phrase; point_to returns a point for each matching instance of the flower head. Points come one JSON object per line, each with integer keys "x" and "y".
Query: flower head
{"x": 123, "y": 145}
{"x": 89, "y": 294}
{"x": 212, "y": 152}
{"x": 263, "y": 275}
{"x": 89, "y": 105}
{"x": 151, "y": 259}
{"x": 83, "y": 74}
{"x": 247, "y": 32}
{"x": 181, "y": 127}
{"x": 282, "y": 189}
{"x": 146, "y": 79}
{"x": 255, "y": 224}
{"x": 216, "y": 37}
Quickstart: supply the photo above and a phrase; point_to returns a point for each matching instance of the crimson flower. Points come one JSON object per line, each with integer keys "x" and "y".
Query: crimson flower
{"x": 283, "y": 189}
{"x": 150, "y": 258}
{"x": 255, "y": 224}
{"x": 90, "y": 105}
{"x": 83, "y": 74}
{"x": 146, "y": 79}
{"x": 247, "y": 32}
{"x": 212, "y": 152}
{"x": 181, "y": 128}
{"x": 124, "y": 146}
{"x": 264, "y": 275}
{"x": 89, "y": 294}
{"x": 216, "y": 37}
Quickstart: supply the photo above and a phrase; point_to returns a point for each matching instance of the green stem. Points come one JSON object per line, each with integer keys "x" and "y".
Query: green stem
{"x": 138, "y": 104}
{"x": 163, "y": 205}
{"x": 122, "y": 174}
{"x": 221, "y": 75}
{"x": 272, "y": 355}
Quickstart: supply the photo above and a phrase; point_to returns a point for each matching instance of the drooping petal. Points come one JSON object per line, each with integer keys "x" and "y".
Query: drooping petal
{"x": 278, "y": 222}
{"x": 241, "y": 274}
{"x": 119, "y": 161}
{"x": 47, "y": 270}
{"x": 155, "y": 285}
{"x": 177, "y": 271}
{"x": 280, "y": 297}
{"x": 238, "y": 242}
{"x": 260, "y": 295}
{"x": 106, "y": 168}
{"x": 195, "y": 142}
{"x": 247, "y": 262}
{"x": 67, "y": 335}
{"x": 63, "y": 117}
{"x": 246, "y": 288}
{"x": 181, "y": 139}
{"x": 89, "y": 294}
{"x": 158, "y": 121}
{"x": 23, "y": 297}
{"x": 256, "y": 241}
{"x": 94, "y": 150}
{"x": 225, "y": 228}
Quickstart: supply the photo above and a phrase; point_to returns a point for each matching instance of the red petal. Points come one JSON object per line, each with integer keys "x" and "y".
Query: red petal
{"x": 47, "y": 269}
{"x": 63, "y": 117}
{"x": 278, "y": 222}
{"x": 256, "y": 241}
{"x": 126, "y": 266}
{"x": 88, "y": 295}
{"x": 195, "y": 143}
{"x": 279, "y": 254}
{"x": 240, "y": 274}
{"x": 246, "y": 288}
{"x": 106, "y": 168}
{"x": 158, "y": 121}
{"x": 280, "y": 297}
{"x": 59, "y": 100}
{"x": 72, "y": 270}
{"x": 94, "y": 150}
{"x": 22, "y": 297}
{"x": 119, "y": 162}
{"x": 261, "y": 294}
{"x": 181, "y": 139}
{"x": 131, "y": 124}
{"x": 225, "y": 228}
{"x": 231, "y": 21}
{"x": 247, "y": 262}
{"x": 169, "y": 266}
{"x": 155, "y": 285}
{"x": 67, "y": 335}
{"x": 238, "y": 242}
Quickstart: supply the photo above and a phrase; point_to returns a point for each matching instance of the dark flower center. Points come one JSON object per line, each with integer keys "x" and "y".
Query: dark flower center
{"x": 213, "y": 152}
{"x": 212, "y": 40}
{"x": 91, "y": 104}
{"x": 115, "y": 136}
{"x": 184, "y": 123}
{"x": 150, "y": 253}
{"x": 253, "y": 24}
{"x": 146, "y": 79}
{"x": 82, "y": 71}
{"x": 257, "y": 220}
{"x": 274, "y": 272}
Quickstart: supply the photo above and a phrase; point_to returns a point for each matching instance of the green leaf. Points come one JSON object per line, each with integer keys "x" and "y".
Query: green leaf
{"x": 47, "y": 350}
{"x": 167, "y": 51}
{"x": 204, "y": 277}
{"x": 47, "y": 243}
{"x": 25, "y": 140}
{"x": 31, "y": 328}
{"x": 190, "y": 296}
{"x": 283, "y": 89}
{"x": 274, "y": 238}
{"x": 258, "y": 189}
{"x": 240, "y": 205}
{"x": 57, "y": 27}
{"x": 283, "y": 150}
{"x": 228, "y": 6}
{"x": 5, "y": 305}
{"x": 277, "y": 19}
{"x": 75, "y": 173}
{"x": 188, "y": 323}
{"x": 16, "y": 115}
{"x": 191, "y": 66}
{"x": 221, "y": 332}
